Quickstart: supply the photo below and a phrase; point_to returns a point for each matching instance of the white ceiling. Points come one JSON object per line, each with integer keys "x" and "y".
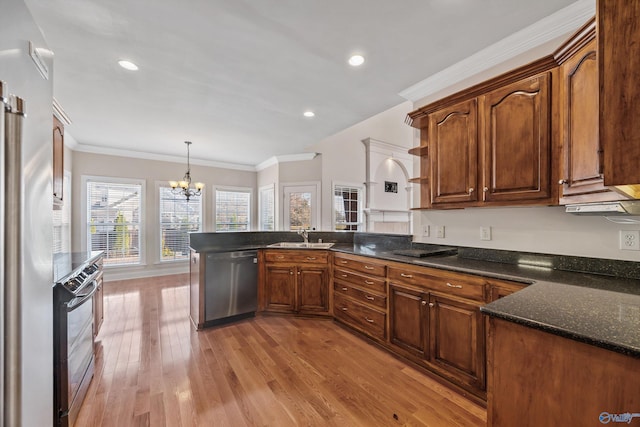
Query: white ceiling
{"x": 235, "y": 76}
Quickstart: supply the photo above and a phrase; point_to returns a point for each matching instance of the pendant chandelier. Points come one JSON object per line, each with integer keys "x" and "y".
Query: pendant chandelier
{"x": 183, "y": 187}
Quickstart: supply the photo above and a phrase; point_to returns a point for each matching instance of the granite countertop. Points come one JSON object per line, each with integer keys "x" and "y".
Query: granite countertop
{"x": 600, "y": 310}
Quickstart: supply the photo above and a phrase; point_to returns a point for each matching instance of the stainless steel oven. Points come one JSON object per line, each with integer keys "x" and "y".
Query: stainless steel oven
{"x": 73, "y": 341}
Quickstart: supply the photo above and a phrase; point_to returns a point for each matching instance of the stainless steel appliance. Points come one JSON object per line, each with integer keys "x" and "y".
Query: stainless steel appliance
{"x": 26, "y": 66}
{"x": 73, "y": 355}
{"x": 231, "y": 286}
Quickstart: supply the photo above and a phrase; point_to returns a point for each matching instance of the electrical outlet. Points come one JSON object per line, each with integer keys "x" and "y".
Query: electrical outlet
{"x": 440, "y": 232}
{"x": 425, "y": 230}
{"x": 485, "y": 233}
{"x": 630, "y": 240}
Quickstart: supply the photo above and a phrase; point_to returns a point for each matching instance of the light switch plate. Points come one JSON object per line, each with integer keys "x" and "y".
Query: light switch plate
{"x": 485, "y": 233}
{"x": 426, "y": 230}
{"x": 440, "y": 232}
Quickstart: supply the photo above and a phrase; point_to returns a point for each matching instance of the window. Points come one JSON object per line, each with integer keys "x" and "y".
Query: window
{"x": 62, "y": 219}
{"x": 114, "y": 220}
{"x": 348, "y": 207}
{"x": 301, "y": 208}
{"x": 233, "y": 210}
{"x": 267, "y": 208}
{"x": 178, "y": 218}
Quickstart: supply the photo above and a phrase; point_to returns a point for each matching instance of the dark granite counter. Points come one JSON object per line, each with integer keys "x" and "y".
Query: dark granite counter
{"x": 590, "y": 300}
{"x": 66, "y": 263}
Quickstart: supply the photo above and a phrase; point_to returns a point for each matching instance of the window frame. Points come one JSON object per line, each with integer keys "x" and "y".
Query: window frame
{"x": 227, "y": 188}
{"x": 158, "y": 230}
{"x": 85, "y": 179}
{"x": 270, "y": 187}
{"x": 361, "y": 195}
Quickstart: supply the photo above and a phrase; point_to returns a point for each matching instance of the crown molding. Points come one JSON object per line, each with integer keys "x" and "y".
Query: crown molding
{"x": 283, "y": 159}
{"x": 94, "y": 149}
{"x": 59, "y": 112}
{"x": 560, "y": 23}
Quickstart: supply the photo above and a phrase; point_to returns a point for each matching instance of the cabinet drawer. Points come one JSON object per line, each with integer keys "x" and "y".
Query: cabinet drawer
{"x": 447, "y": 283}
{"x": 363, "y": 318}
{"x": 360, "y": 295}
{"x": 297, "y": 257}
{"x": 377, "y": 285}
{"x": 361, "y": 264}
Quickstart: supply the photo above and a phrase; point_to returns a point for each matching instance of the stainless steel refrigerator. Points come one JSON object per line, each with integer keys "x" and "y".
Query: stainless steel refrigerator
{"x": 26, "y": 209}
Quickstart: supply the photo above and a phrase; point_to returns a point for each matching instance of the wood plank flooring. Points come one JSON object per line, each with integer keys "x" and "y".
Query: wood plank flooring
{"x": 154, "y": 369}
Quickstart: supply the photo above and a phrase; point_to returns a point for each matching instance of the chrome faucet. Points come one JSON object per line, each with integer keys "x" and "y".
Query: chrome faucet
{"x": 305, "y": 235}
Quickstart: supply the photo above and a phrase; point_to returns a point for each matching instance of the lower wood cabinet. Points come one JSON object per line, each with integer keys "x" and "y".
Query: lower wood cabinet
{"x": 409, "y": 320}
{"x": 296, "y": 282}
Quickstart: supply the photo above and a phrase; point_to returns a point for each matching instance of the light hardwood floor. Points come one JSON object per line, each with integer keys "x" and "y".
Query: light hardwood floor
{"x": 154, "y": 369}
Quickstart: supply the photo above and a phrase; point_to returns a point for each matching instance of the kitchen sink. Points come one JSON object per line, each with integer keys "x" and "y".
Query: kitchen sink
{"x": 301, "y": 245}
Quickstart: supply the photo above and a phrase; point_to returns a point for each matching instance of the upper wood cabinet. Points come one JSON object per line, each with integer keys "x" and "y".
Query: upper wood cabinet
{"x": 516, "y": 141}
{"x": 619, "y": 67}
{"x": 58, "y": 162}
{"x": 453, "y": 142}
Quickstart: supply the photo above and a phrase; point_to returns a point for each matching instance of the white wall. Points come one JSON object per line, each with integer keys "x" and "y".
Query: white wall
{"x": 343, "y": 154}
{"x": 152, "y": 172}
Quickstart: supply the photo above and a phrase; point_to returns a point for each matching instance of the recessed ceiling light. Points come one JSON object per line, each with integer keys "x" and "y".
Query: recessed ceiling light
{"x": 356, "y": 60}
{"x": 309, "y": 114}
{"x": 128, "y": 65}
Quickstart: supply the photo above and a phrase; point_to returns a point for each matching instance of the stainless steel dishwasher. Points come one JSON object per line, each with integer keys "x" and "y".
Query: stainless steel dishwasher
{"x": 231, "y": 290}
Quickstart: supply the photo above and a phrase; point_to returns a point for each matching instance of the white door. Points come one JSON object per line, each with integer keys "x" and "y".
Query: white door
{"x": 301, "y": 207}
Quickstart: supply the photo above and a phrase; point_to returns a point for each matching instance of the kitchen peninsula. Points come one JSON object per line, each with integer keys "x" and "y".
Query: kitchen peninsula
{"x": 427, "y": 310}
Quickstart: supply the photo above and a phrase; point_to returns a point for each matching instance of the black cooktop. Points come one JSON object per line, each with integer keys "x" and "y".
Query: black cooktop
{"x": 419, "y": 253}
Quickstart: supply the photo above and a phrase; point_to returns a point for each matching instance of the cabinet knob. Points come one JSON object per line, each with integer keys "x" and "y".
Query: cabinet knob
{"x": 424, "y": 303}
{"x": 485, "y": 189}
{"x": 471, "y": 190}
{"x": 431, "y": 305}
{"x": 562, "y": 181}
{"x": 298, "y": 273}
{"x": 291, "y": 272}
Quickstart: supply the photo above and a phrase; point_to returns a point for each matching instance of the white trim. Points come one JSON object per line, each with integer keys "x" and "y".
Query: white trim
{"x": 560, "y": 23}
{"x": 283, "y": 159}
{"x": 84, "y": 179}
{"x": 160, "y": 157}
{"x": 59, "y": 112}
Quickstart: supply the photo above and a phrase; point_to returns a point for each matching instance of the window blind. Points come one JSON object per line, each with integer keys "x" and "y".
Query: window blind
{"x": 267, "y": 209}
{"x": 114, "y": 221}
{"x": 232, "y": 210}
{"x": 178, "y": 218}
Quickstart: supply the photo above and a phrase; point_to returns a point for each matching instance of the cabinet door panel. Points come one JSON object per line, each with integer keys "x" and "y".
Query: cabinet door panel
{"x": 454, "y": 153}
{"x": 280, "y": 289}
{"x": 516, "y": 141}
{"x": 409, "y": 321}
{"x": 313, "y": 289}
{"x": 457, "y": 343}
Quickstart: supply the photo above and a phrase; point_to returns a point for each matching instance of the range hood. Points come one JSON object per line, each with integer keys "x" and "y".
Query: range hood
{"x": 623, "y": 207}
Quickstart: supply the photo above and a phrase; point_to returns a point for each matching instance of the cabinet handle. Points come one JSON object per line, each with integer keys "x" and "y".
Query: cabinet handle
{"x": 368, "y": 282}
{"x": 471, "y": 190}
{"x": 424, "y": 303}
{"x": 369, "y": 298}
{"x": 408, "y": 276}
{"x": 431, "y": 305}
{"x": 345, "y": 289}
{"x": 344, "y": 275}
{"x": 454, "y": 286}
{"x": 369, "y": 320}
{"x": 366, "y": 267}
{"x": 280, "y": 257}
{"x": 562, "y": 181}
{"x": 344, "y": 262}
{"x": 343, "y": 308}
{"x": 311, "y": 258}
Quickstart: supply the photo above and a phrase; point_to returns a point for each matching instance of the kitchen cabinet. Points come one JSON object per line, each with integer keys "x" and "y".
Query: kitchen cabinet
{"x": 360, "y": 294}
{"x": 435, "y": 321}
{"x": 490, "y": 145}
{"x": 296, "y": 282}
{"x": 515, "y": 123}
{"x": 536, "y": 378}
{"x": 582, "y": 165}
{"x": 619, "y": 71}
{"x": 58, "y": 163}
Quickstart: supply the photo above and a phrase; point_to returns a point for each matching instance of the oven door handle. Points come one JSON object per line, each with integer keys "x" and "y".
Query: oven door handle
{"x": 82, "y": 298}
